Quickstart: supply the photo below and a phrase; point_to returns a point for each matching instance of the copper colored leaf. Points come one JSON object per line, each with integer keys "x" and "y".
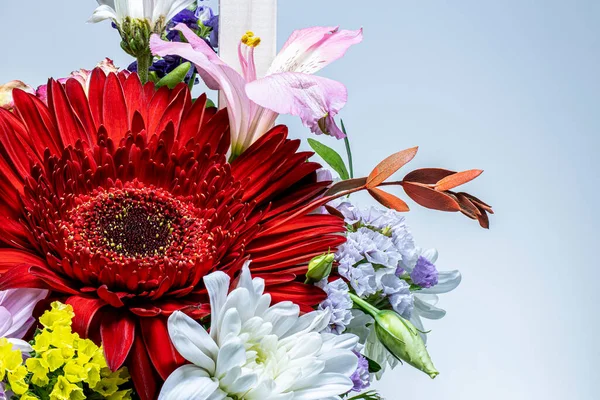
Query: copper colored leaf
{"x": 389, "y": 166}
{"x": 348, "y": 184}
{"x": 460, "y": 178}
{"x": 334, "y": 211}
{"x": 467, "y": 207}
{"x": 478, "y": 202}
{"x": 429, "y": 176}
{"x": 430, "y": 198}
{"x": 484, "y": 220}
{"x": 389, "y": 200}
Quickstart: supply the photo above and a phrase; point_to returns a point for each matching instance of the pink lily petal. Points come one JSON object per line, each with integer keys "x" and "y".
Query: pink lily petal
{"x": 5, "y": 321}
{"x": 309, "y": 50}
{"x": 216, "y": 74}
{"x": 314, "y": 99}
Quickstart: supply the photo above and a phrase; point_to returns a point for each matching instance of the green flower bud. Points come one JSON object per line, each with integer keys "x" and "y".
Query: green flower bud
{"x": 400, "y": 337}
{"x": 320, "y": 267}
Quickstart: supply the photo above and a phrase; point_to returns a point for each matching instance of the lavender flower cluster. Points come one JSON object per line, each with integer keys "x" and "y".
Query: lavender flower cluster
{"x": 380, "y": 263}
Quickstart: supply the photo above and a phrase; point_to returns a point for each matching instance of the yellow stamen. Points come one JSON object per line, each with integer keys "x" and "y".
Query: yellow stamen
{"x": 250, "y": 40}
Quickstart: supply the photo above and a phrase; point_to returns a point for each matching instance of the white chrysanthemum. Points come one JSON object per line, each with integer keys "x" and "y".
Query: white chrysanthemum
{"x": 153, "y": 11}
{"x": 256, "y": 351}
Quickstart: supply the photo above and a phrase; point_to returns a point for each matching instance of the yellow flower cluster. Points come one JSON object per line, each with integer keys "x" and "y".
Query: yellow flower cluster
{"x": 63, "y": 365}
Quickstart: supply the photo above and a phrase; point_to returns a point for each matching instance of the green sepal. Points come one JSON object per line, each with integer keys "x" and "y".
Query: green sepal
{"x": 175, "y": 77}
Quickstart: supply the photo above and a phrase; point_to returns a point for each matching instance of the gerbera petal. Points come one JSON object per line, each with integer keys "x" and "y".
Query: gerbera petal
{"x": 118, "y": 333}
{"x": 314, "y": 99}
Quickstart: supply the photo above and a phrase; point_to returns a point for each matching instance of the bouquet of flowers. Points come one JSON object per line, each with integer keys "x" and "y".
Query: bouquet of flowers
{"x": 154, "y": 245}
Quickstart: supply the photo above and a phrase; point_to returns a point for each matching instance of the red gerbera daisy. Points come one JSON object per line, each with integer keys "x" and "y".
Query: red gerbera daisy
{"x": 122, "y": 200}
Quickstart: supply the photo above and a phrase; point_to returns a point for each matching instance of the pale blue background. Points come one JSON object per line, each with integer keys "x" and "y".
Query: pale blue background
{"x": 509, "y": 86}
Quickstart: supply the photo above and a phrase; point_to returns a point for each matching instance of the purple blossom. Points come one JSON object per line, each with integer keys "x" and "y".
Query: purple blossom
{"x": 361, "y": 277}
{"x": 213, "y": 23}
{"x": 338, "y": 303}
{"x": 425, "y": 273}
{"x": 361, "y": 377}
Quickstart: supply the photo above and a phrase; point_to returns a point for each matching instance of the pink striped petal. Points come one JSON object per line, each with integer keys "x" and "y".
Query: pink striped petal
{"x": 309, "y": 50}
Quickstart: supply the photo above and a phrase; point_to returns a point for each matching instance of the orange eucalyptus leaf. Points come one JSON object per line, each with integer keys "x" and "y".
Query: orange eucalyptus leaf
{"x": 389, "y": 166}
{"x": 460, "y": 178}
{"x": 430, "y": 198}
{"x": 389, "y": 200}
{"x": 467, "y": 207}
{"x": 348, "y": 184}
{"x": 428, "y": 176}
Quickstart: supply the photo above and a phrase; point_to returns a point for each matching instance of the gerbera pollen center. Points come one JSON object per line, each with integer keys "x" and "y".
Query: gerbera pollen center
{"x": 140, "y": 229}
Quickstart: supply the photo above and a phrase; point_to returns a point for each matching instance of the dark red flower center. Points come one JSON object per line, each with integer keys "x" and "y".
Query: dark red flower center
{"x": 137, "y": 223}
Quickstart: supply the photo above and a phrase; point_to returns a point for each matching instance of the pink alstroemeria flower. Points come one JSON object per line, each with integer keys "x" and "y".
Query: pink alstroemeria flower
{"x": 82, "y": 76}
{"x": 288, "y": 88}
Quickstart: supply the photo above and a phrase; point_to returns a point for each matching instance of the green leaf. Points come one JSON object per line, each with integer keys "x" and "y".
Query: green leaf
{"x": 348, "y": 150}
{"x": 373, "y": 366}
{"x": 331, "y": 157}
{"x": 175, "y": 77}
{"x": 210, "y": 103}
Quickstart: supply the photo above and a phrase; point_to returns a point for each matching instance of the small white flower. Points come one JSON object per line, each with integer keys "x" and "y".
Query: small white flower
{"x": 153, "y": 11}
{"x": 256, "y": 351}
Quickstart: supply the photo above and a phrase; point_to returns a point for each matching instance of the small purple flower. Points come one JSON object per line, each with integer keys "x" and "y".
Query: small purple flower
{"x": 425, "y": 273}
{"x": 361, "y": 377}
{"x": 204, "y": 14}
{"x": 213, "y": 23}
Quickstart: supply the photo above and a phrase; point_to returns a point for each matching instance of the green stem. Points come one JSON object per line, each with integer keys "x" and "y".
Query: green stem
{"x": 365, "y": 306}
{"x": 143, "y": 66}
{"x": 348, "y": 150}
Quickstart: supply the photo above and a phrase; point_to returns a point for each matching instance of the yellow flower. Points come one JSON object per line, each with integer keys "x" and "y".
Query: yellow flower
{"x": 74, "y": 372}
{"x": 65, "y": 390}
{"x": 16, "y": 378}
{"x": 86, "y": 349}
{"x": 42, "y": 341}
{"x": 120, "y": 395}
{"x": 28, "y": 396}
{"x": 39, "y": 368}
{"x": 65, "y": 340}
{"x": 106, "y": 387}
{"x": 60, "y": 315}
{"x": 54, "y": 358}
{"x": 10, "y": 359}
{"x": 93, "y": 374}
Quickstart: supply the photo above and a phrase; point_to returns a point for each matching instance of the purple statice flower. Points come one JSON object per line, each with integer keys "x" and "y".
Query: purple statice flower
{"x": 370, "y": 245}
{"x": 204, "y": 14}
{"x": 398, "y": 293}
{"x": 165, "y": 65}
{"x": 338, "y": 303}
{"x": 425, "y": 274}
{"x": 390, "y": 222}
{"x": 361, "y": 277}
{"x": 361, "y": 377}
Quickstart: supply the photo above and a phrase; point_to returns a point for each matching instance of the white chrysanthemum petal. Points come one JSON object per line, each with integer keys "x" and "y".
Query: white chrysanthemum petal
{"x": 282, "y": 316}
{"x": 231, "y": 355}
{"x": 192, "y": 341}
{"x": 103, "y": 13}
{"x": 270, "y": 352}
{"x": 217, "y": 285}
{"x": 327, "y": 384}
{"x": 340, "y": 362}
{"x": 188, "y": 382}
{"x": 430, "y": 255}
